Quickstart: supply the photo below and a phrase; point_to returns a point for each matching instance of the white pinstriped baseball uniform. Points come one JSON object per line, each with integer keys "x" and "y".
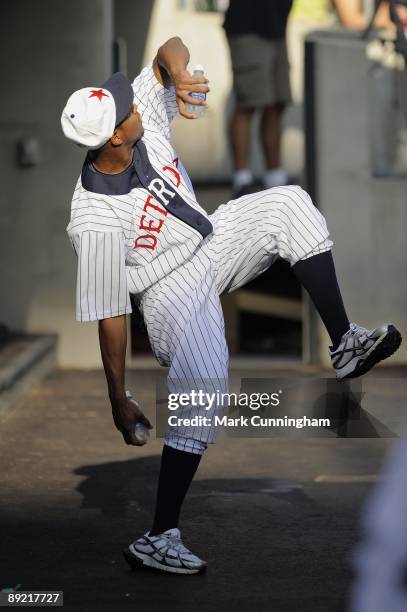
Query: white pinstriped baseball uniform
{"x": 154, "y": 240}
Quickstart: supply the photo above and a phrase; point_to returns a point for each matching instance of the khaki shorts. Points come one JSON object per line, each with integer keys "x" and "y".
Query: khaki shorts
{"x": 260, "y": 71}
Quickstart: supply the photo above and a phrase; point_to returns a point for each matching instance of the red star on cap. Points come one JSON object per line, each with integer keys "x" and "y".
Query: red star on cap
{"x": 98, "y": 93}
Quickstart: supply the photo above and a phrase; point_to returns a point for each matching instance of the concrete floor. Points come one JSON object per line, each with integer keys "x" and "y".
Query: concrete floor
{"x": 275, "y": 534}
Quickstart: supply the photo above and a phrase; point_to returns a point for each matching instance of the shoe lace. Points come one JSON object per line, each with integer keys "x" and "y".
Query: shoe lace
{"x": 354, "y": 328}
{"x": 177, "y": 544}
{"x": 358, "y": 332}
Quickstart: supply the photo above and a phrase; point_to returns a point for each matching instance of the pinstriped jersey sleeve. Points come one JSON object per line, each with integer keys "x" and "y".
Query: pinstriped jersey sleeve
{"x": 101, "y": 284}
{"x": 156, "y": 104}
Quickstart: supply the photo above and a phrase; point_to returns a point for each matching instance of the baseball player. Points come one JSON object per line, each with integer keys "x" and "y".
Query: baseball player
{"x": 137, "y": 228}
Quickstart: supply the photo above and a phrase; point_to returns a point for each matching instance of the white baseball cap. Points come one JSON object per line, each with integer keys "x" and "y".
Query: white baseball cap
{"x": 92, "y": 113}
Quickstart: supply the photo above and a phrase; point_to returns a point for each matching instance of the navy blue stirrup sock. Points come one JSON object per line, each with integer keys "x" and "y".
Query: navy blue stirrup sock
{"x": 176, "y": 473}
{"x": 317, "y": 275}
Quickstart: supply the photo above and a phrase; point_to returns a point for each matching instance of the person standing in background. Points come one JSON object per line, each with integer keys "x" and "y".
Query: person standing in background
{"x": 256, "y": 34}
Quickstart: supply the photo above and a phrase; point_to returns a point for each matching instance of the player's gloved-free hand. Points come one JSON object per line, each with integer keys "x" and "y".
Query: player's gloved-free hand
{"x": 125, "y": 414}
{"x": 184, "y": 85}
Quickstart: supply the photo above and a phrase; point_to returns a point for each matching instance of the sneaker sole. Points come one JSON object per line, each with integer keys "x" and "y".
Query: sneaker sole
{"x": 385, "y": 347}
{"x": 145, "y": 561}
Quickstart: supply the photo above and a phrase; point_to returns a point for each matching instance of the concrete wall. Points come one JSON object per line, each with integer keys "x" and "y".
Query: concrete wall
{"x": 131, "y": 25}
{"x": 367, "y": 215}
{"x": 47, "y": 50}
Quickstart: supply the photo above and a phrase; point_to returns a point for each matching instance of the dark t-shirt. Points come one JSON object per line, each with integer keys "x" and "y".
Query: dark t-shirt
{"x": 267, "y": 18}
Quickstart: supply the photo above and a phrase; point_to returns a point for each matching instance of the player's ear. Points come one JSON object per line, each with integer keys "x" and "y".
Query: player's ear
{"x": 116, "y": 139}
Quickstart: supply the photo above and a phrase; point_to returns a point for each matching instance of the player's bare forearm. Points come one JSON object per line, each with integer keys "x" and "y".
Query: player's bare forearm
{"x": 172, "y": 58}
{"x": 113, "y": 341}
{"x": 170, "y": 67}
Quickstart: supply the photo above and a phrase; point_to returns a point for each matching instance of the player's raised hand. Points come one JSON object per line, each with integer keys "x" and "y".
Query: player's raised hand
{"x": 185, "y": 83}
{"x": 126, "y": 413}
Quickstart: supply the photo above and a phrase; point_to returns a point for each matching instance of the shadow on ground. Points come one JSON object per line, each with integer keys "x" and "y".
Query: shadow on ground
{"x": 268, "y": 542}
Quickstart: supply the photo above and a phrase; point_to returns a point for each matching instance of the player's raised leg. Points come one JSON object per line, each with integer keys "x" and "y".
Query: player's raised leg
{"x": 355, "y": 349}
{"x": 252, "y": 231}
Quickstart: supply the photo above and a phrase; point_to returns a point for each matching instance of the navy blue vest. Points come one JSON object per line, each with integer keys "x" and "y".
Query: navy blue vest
{"x": 141, "y": 173}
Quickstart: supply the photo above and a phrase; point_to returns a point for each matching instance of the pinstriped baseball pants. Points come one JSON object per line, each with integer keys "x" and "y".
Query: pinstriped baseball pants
{"x": 183, "y": 313}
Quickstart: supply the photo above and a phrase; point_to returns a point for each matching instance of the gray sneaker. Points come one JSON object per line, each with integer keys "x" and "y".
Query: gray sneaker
{"x": 360, "y": 349}
{"x": 164, "y": 552}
